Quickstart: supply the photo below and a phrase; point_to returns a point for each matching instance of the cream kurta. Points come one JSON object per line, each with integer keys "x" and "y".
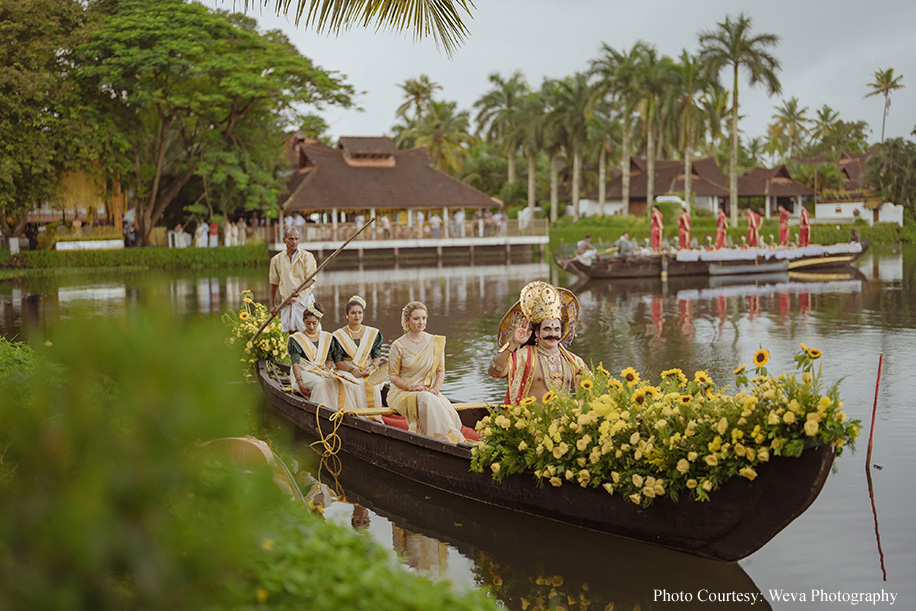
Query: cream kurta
{"x": 426, "y": 413}
{"x": 288, "y": 274}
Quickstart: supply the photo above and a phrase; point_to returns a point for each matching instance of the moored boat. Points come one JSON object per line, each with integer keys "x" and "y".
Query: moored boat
{"x": 726, "y": 261}
{"x": 740, "y": 518}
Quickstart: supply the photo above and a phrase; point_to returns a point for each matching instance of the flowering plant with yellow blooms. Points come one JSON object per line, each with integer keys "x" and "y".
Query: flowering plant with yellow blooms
{"x": 270, "y": 344}
{"x": 681, "y": 435}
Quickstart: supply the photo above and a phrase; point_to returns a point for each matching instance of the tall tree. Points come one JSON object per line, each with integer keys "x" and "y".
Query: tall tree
{"x": 443, "y": 19}
{"x": 444, "y": 131}
{"x": 188, "y": 79}
{"x": 46, "y": 124}
{"x": 656, "y": 78}
{"x": 885, "y": 83}
{"x": 499, "y": 116}
{"x": 789, "y": 122}
{"x": 618, "y": 75}
{"x": 731, "y": 44}
{"x": 891, "y": 169}
{"x": 531, "y": 111}
{"x": 569, "y": 109}
{"x": 419, "y": 93}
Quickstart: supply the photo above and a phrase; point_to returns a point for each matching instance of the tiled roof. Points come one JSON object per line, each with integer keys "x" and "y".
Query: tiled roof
{"x": 330, "y": 179}
{"x": 708, "y": 180}
{"x": 776, "y": 182}
{"x": 367, "y": 146}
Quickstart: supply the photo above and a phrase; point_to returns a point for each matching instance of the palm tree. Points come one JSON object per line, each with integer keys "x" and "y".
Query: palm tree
{"x": 789, "y": 121}
{"x": 755, "y": 149}
{"x": 823, "y": 124}
{"x": 656, "y": 78}
{"x": 603, "y": 136}
{"x": 444, "y": 132}
{"x": 498, "y": 115}
{"x": 553, "y": 138}
{"x": 531, "y": 111}
{"x": 440, "y": 18}
{"x": 885, "y": 82}
{"x": 418, "y": 93}
{"x": 731, "y": 44}
{"x": 618, "y": 76}
{"x": 690, "y": 83}
{"x": 570, "y": 104}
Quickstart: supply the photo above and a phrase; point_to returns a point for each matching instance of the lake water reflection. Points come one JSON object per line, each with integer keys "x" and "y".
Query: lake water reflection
{"x": 712, "y": 324}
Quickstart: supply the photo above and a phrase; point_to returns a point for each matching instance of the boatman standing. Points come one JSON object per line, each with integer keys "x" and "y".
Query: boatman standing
{"x": 288, "y": 270}
{"x": 532, "y": 334}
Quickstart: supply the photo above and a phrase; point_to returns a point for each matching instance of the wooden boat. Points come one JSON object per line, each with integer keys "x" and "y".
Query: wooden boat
{"x": 718, "y": 262}
{"x": 741, "y": 517}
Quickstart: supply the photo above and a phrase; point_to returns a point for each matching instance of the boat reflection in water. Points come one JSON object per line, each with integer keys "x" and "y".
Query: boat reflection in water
{"x": 525, "y": 561}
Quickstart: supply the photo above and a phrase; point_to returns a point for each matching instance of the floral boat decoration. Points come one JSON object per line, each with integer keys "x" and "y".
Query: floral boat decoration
{"x": 680, "y": 436}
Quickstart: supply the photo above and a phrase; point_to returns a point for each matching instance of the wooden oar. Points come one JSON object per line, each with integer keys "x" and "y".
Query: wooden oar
{"x": 312, "y": 275}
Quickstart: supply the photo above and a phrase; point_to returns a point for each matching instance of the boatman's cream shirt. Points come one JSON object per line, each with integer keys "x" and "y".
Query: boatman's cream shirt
{"x": 288, "y": 273}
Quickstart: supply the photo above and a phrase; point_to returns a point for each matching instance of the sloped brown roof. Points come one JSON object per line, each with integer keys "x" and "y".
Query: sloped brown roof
{"x": 776, "y": 182}
{"x": 355, "y": 146}
{"x": 403, "y": 180}
{"x": 708, "y": 180}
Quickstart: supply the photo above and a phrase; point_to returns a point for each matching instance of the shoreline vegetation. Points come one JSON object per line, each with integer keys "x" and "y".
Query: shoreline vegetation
{"x": 108, "y": 500}
{"x": 563, "y": 234}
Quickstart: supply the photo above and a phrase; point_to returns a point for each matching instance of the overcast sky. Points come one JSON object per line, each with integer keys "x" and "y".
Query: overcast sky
{"x": 829, "y": 52}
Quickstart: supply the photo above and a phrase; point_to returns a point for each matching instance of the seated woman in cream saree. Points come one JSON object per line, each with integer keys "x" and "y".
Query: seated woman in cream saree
{"x": 416, "y": 368}
{"x": 357, "y": 349}
{"x": 311, "y": 374}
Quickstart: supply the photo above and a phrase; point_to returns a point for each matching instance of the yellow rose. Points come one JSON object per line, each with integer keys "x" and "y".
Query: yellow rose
{"x": 607, "y": 486}
{"x": 748, "y": 472}
{"x": 692, "y": 456}
{"x": 750, "y": 454}
{"x": 691, "y": 483}
{"x": 788, "y": 417}
{"x": 637, "y": 480}
{"x": 722, "y": 426}
{"x": 683, "y": 466}
{"x": 636, "y": 499}
{"x": 569, "y": 474}
{"x": 495, "y": 467}
{"x": 556, "y": 481}
{"x": 711, "y": 460}
{"x": 763, "y": 455}
{"x": 522, "y": 446}
{"x": 841, "y": 416}
{"x": 773, "y": 418}
{"x": 634, "y": 438}
{"x": 707, "y": 485}
{"x": 811, "y": 427}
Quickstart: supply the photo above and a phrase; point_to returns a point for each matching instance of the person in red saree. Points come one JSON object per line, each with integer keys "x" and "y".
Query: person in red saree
{"x": 683, "y": 229}
{"x": 753, "y": 228}
{"x": 657, "y": 225}
{"x": 804, "y": 227}
{"x": 783, "y": 226}
{"x": 533, "y": 358}
{"x": 721, "y": 228}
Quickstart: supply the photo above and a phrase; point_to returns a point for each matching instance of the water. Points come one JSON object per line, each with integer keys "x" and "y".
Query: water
{"x": 692, "y": 324}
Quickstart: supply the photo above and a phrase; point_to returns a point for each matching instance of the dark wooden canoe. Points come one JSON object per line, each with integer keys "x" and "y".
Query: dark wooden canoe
{"x": 655, "y": 265}
{"x": 741, "y": 517}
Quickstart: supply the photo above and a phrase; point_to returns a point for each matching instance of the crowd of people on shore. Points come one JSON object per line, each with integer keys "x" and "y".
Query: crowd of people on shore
{"x": 344, "y": 369}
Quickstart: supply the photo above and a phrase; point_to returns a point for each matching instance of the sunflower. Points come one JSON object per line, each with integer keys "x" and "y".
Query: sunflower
{"x": 702, "y": 377}
{"x": 804, "y": 347}
{"x": 630, "y": 375}
{"x": 586, "y": 384}
{"x": 248, "y": 300}
{"x": 685, "y": 399}
{"x": 527, "y": 401}
{"x": 739, "y": 370}
{"x": 614, "y": 382}
{"x": 761, "y": 357}
{"x": 603, "y": 371}
{"x": 243, "y": 315}
{"x": 639, "y": 397}
{"x": 814, "y": 353}
{"x": 671, "y": 372}
{"x": 248, "y": 291}
{"x": 548, "y": 397}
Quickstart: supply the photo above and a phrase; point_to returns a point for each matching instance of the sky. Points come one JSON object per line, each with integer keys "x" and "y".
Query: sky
{"x": 828, "y": 51}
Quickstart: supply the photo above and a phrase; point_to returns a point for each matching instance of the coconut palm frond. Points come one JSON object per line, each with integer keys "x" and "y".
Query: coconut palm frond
{"x": 441, "y": 19}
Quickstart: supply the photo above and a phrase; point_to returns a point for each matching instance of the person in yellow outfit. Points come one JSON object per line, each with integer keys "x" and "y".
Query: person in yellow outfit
{"x": 416, "y": 368}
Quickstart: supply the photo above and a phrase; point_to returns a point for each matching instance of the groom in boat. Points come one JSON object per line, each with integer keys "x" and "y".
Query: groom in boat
{"x": 533, "y": 332}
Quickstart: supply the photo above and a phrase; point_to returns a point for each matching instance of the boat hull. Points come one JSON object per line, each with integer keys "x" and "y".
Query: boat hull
{"x": 674, "y": 265}
{"x": 741, "y": 517}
